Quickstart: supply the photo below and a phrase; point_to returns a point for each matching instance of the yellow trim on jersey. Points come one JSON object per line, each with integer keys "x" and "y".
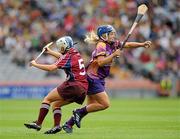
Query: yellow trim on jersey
{"x": 101, "y": 53}
{"x": 102, "y": 47}
{"x": 101, "y": 44}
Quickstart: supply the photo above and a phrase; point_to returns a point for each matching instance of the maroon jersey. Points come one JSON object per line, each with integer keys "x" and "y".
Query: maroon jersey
{"x": 73, "y": 65}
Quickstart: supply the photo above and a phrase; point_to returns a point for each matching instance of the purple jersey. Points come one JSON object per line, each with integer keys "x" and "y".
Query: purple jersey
{"x": 93, "y": 69}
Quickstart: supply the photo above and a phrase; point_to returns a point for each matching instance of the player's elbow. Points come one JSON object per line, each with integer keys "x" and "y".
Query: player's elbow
{"x": 128, "y": 45}
{"x": 52, "y": 68}
{"x": 100, "y": 63}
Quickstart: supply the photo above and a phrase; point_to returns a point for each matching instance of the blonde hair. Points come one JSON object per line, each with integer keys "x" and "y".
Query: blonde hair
{"x": 91, "y": 38}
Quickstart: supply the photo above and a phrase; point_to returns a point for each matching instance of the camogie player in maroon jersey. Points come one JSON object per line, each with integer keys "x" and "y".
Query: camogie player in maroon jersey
{"x": 72, "y": 90}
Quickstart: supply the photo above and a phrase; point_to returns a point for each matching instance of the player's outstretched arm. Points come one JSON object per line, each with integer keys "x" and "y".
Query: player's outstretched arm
{"x": 145, "y": 44}
{"x": 53, "y": 53}
{"x": 43, "y": 66}
{"x": 102, "y": 60}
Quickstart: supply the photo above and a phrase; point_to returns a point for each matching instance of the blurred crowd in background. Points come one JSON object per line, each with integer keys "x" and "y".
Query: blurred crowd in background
{"x": 27, "y": 25}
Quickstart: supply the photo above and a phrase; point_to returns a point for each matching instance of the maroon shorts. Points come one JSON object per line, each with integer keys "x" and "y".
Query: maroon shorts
{"x": 72, "y": 92}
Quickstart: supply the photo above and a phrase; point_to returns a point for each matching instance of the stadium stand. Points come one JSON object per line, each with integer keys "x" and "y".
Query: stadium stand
{"x": 26, "y": 26}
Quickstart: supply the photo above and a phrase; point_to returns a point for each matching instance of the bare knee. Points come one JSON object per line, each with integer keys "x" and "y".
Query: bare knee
{"x": 105, "y": 105}
{"x": 55, "y": 105}
{"x": 46, "y": 100}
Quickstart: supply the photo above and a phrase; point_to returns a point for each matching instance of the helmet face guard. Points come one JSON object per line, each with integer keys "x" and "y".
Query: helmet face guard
{"x": 64, "y": 44}
{"x": 105, "y": 30}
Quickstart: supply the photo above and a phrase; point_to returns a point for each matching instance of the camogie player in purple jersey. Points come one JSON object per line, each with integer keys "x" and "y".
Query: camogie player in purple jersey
{"x": 107, "y": 48}
{"x": 74, "y": 89}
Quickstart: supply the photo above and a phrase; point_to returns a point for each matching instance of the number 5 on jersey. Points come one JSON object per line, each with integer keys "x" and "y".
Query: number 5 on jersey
{"x": 81, "y": 66}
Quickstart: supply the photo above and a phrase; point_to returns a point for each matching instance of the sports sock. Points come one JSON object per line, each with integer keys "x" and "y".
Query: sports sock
{"x": 82, "y": 111}
{"x": 70, "y": 122}
{"x": 42, "y": 113}
{"x": 57, "y": 116}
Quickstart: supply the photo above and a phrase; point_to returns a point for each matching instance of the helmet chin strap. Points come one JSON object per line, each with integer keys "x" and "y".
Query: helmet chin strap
{"x": 105, "y": 39}
{"x": 67, "y": 49}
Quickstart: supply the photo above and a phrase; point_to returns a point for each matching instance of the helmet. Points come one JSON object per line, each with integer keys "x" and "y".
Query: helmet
{"x": 64, "y": 43}
{"x": 104, "y": 29}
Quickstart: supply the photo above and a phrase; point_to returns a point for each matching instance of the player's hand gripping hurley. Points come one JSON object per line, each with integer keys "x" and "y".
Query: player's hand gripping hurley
{"x": 44, "y": 49}
{"x": 141, "y": 11}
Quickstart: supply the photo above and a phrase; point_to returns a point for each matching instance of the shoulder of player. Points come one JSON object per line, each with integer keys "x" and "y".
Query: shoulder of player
{"x": 74, "y": 55}
{"x": 73, "y": 51}
{"x": 101, "y": 44}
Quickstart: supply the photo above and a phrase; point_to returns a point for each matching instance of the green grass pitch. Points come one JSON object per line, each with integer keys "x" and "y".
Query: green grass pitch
{"x": 125, "y": 119}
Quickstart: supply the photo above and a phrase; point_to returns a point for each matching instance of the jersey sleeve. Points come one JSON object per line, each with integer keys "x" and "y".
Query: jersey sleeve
{"x": 117, "y": 44}
{"x": 101, "y": 49}
{"x": 64, "y": 62}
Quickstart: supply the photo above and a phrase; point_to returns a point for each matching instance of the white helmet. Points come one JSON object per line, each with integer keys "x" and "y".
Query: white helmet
{"x": 63, "y": 44}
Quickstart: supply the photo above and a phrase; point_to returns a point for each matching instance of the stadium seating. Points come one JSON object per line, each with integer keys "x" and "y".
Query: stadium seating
{"x": 26, "y": 26}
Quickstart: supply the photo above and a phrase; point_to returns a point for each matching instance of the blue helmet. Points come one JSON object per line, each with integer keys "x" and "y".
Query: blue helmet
{"x": 65, "y": 42}
{"x": 104, "y": 29}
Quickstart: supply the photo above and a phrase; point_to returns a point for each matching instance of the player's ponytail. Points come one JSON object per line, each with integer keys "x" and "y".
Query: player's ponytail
{"x": 91, "y": 38}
